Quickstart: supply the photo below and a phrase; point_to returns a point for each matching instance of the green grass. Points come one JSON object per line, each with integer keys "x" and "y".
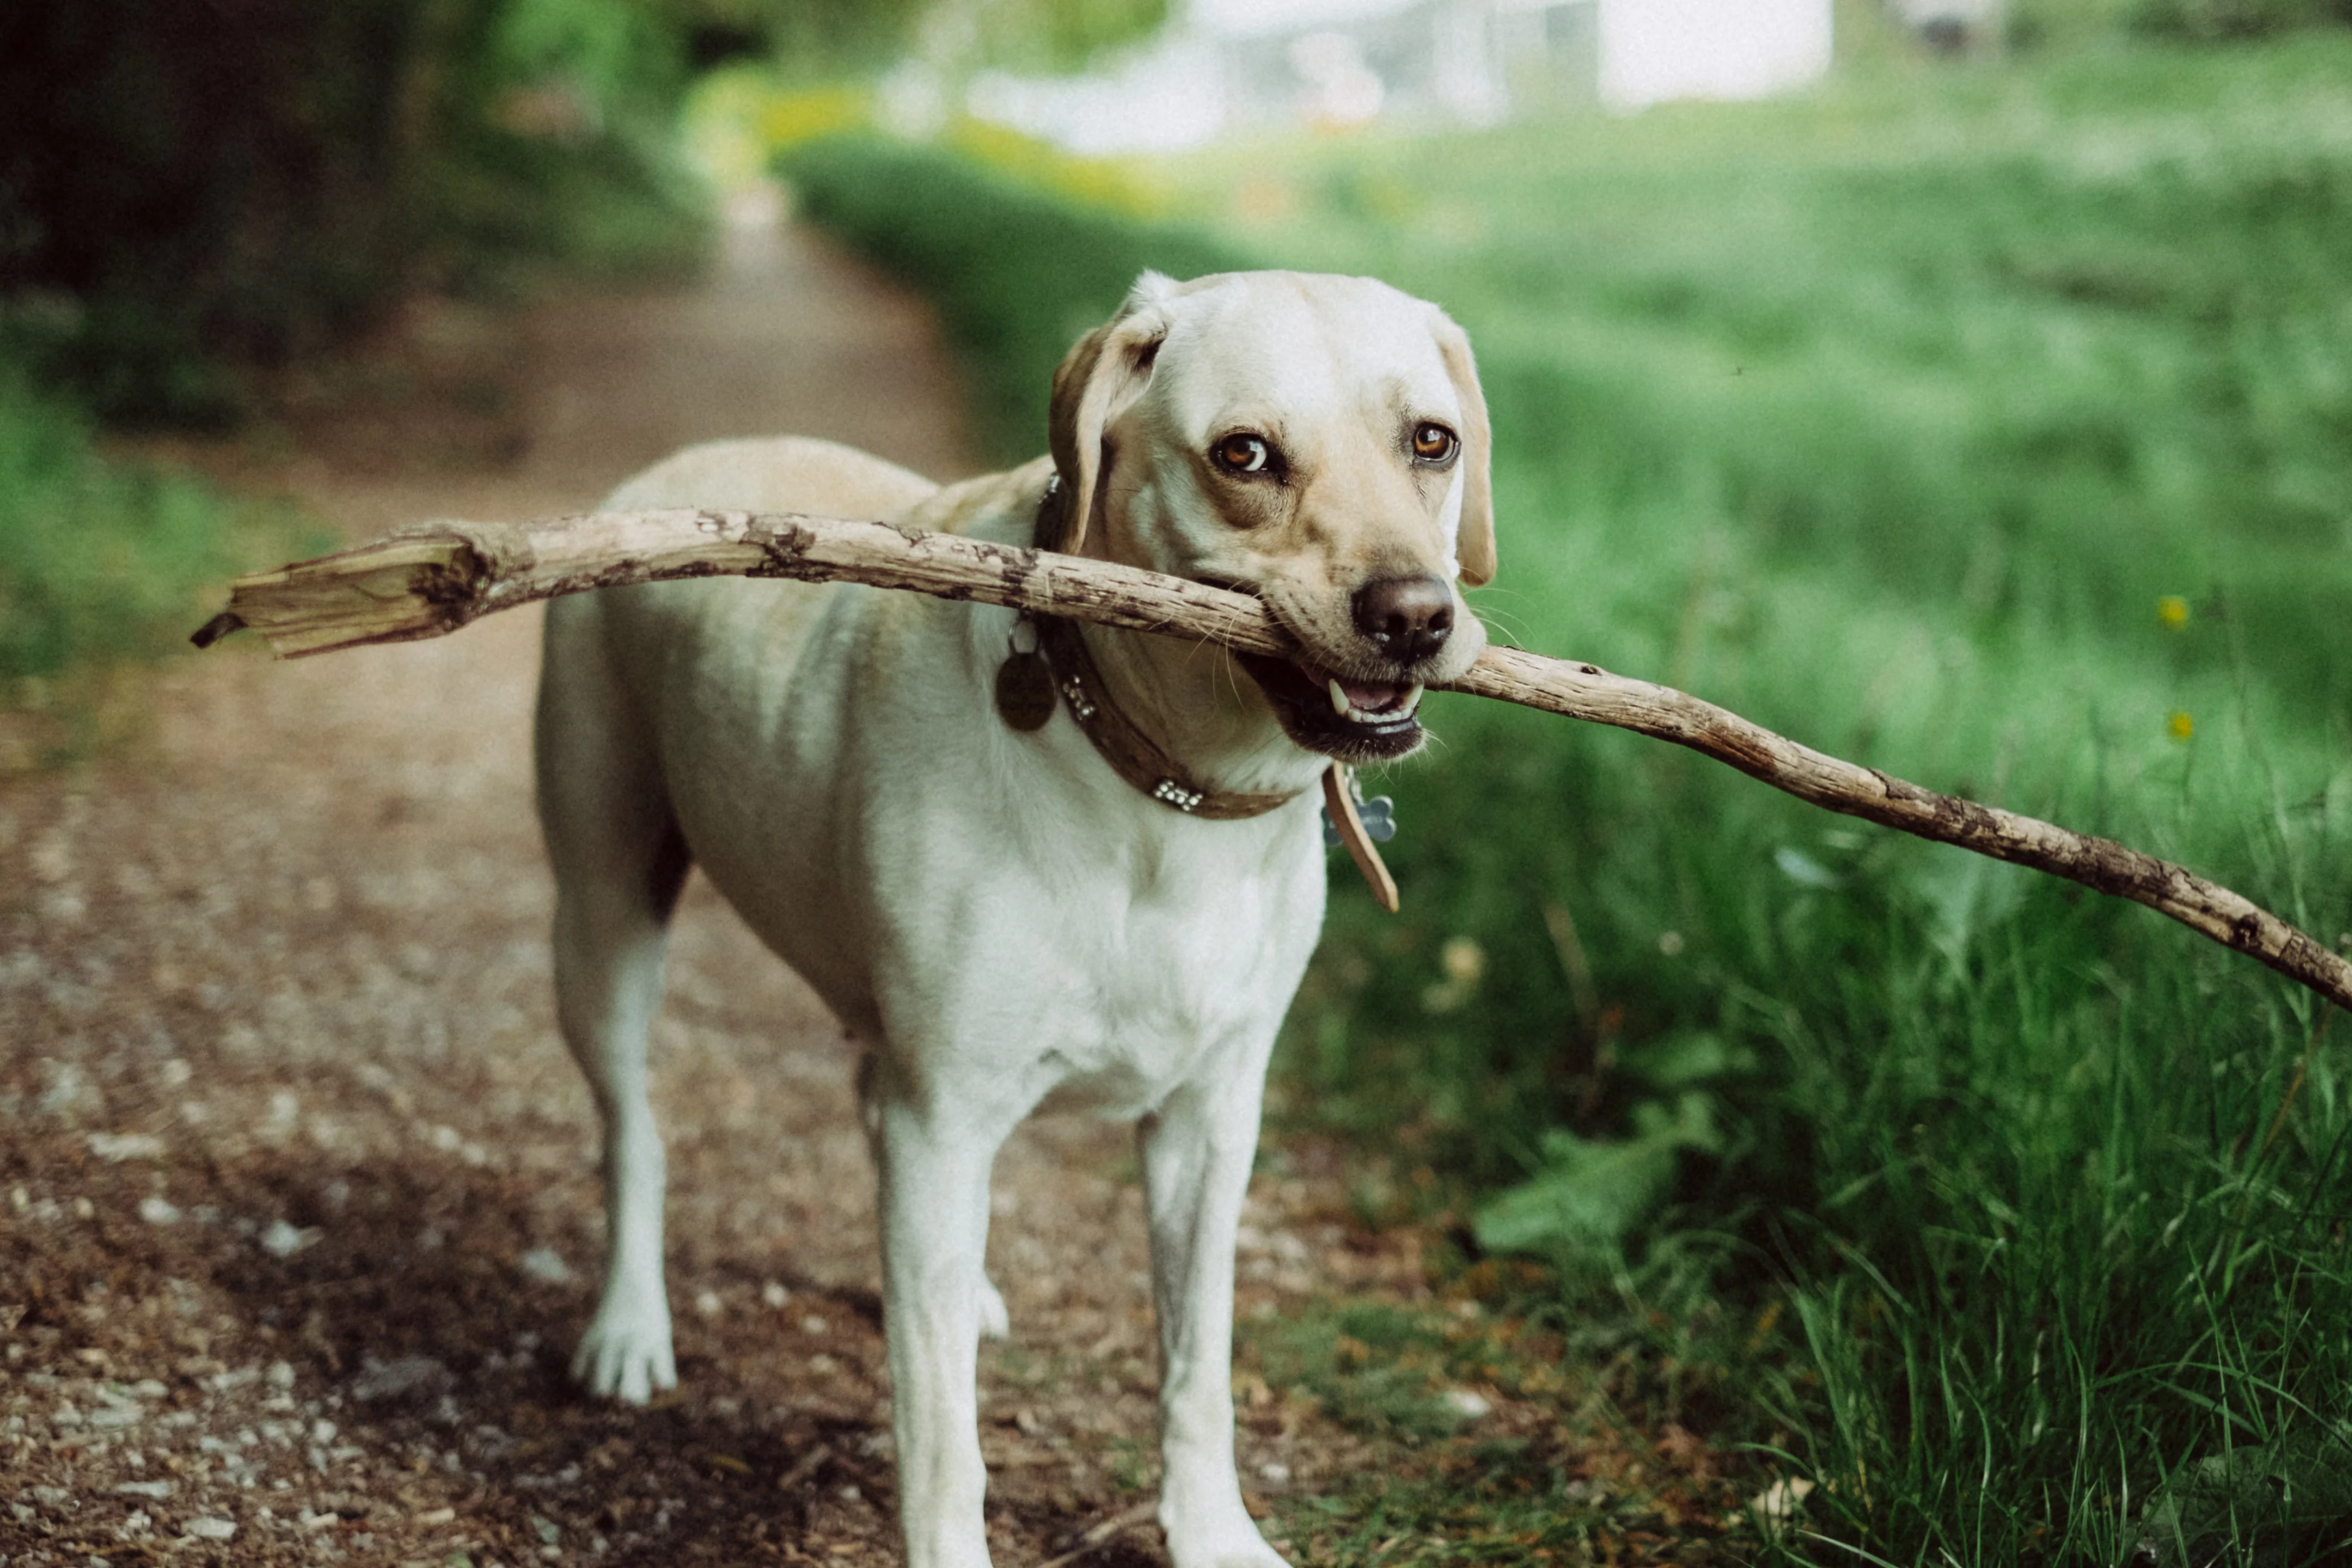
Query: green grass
{"x": 101, "y": 560}
{"x": 1888, "y": 418}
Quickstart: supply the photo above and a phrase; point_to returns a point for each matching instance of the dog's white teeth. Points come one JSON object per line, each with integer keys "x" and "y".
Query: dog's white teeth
{"x": 1412, "y": 696}
{"x": 1339, "y": 703}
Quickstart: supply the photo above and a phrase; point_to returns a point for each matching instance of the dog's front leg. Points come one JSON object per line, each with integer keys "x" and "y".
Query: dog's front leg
{"x": 934, "y": 1163}
{"x": 1197, "y": 1151}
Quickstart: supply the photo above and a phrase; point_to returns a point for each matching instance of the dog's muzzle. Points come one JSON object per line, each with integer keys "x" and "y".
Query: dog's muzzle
{"x": 1342, "y": 711}
{"x": 1341, "y": 715}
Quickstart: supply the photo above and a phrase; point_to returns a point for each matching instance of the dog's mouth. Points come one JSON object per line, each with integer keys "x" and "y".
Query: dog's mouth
{"x": 1340, "y": 715}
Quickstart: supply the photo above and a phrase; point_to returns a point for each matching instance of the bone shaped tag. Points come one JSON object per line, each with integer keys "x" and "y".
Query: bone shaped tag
{"x": 1343, "y": 822}
{"x": 1378, "y": 815}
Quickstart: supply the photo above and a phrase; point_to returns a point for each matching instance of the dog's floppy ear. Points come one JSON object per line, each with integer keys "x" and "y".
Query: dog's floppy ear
{"x": 1476, "y": 547}
{"x": 1095, "y": 383}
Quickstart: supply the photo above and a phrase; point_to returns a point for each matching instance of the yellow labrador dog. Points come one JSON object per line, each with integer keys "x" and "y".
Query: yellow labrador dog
{"x": 1025, "y": 864}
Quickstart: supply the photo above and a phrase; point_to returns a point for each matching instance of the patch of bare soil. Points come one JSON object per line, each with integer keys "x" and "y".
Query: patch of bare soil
{"x": 299, "y": 1214}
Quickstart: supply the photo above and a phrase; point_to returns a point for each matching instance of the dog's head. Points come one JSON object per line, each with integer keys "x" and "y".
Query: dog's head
{"x": 1318, "y": 440}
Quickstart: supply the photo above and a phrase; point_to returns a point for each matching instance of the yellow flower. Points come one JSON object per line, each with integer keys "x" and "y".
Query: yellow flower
{"x": 2180, "y": 727}
{"x": 2173, "y": 611}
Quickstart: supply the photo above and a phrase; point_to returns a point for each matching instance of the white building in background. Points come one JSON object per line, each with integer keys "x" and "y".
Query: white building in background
{"x": 1652, "y": 51}
{"x": 1229, "y": 66}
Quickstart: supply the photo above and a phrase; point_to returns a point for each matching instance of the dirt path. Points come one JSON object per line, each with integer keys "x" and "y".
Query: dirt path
{"x": 297, "y": 1212}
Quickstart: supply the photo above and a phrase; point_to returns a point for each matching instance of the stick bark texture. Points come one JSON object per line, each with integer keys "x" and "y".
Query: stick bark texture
{"x": 431, "y": 580}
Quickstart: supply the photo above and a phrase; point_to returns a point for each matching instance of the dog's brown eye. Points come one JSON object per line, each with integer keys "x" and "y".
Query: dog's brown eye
{"x": 1243, "y": 453}
{"x": 1432, "y": 443}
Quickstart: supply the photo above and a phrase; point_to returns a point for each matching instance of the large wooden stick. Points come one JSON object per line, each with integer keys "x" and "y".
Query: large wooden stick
{"x": 431, "y": 580}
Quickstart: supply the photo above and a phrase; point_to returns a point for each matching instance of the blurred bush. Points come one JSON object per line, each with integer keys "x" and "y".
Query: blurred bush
{"x": 102, "y": 560}
{"x": 186, "y": 187}
{"x": 189, "y": 192}
{"x": 1017, "y": 273}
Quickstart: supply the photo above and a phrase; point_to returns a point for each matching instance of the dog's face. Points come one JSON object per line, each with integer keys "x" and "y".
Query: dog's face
{"x": 1317, "y": 441}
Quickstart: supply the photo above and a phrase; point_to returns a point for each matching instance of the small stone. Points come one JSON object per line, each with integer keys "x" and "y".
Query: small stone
{"x": 546, "y": 1265}
{"x": 205, "y": 1527}
{"x": 708, "y": 1303}
{"x": 814, "y": 1324}
{"x": 1781, "y": 1499}
{"x": 52, "y": 858}
{"x": 404, "y": 1375}
{"x": 1275, "y": 1470}
{"x": 1468, "y": 1403}
{"x": 158, "y": 1490}
{"x": 283, "y": 1240}
{"x": 774, "y": 1295}
{"x": 116, "y": 1147}
{"x": 157, "y": 1210}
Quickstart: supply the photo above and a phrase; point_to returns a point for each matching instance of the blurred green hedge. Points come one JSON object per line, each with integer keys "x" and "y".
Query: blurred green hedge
{"x": 185, "y": 187}
{"x": 102, "y": 560}
{"x": 2219, "y": 20}
{"x": 1047, "y": 271}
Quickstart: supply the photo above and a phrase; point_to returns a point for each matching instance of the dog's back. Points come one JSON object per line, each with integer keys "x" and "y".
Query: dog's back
{"x": 605, "y": 794}
{"x": 775, "y": 473}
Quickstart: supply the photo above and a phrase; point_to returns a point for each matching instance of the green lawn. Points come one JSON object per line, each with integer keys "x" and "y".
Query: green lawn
{"x": 104, "y": 560}
{"x": 1994, "y": 427}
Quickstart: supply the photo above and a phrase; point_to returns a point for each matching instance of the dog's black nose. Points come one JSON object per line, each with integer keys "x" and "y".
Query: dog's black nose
{"x": 1407, "y": 618}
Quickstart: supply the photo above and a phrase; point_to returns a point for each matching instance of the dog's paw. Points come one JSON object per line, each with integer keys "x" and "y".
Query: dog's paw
{"x": 625, "y": 1353}
{"x": 995, "y": 1322}
{"x": 1252, "y": 1552}
{"x": 1216, "y": 1537}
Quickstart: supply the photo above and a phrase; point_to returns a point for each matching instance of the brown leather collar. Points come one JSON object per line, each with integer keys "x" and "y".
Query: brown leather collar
{"x": 1133, "y": 755}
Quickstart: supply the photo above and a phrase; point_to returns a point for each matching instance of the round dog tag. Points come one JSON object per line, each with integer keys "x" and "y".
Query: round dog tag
{"x": 1025, "y": 691}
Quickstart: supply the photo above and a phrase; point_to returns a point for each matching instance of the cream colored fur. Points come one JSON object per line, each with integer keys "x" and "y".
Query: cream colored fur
{"x": 1001, "y": 920}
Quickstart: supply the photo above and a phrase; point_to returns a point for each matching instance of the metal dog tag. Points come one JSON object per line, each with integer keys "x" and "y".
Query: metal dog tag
{"x": 1343, "y": 823}
{"x": 1378, "y": 815}
{"x": 1024, "y": 690}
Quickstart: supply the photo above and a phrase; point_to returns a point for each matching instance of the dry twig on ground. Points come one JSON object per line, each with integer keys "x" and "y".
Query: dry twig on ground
{"x": 435, "y": 580}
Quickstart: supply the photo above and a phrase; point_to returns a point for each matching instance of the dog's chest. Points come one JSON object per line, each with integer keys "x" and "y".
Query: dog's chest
{"x": 1156, "y": 986}
{"x": 1099, "y": 969}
